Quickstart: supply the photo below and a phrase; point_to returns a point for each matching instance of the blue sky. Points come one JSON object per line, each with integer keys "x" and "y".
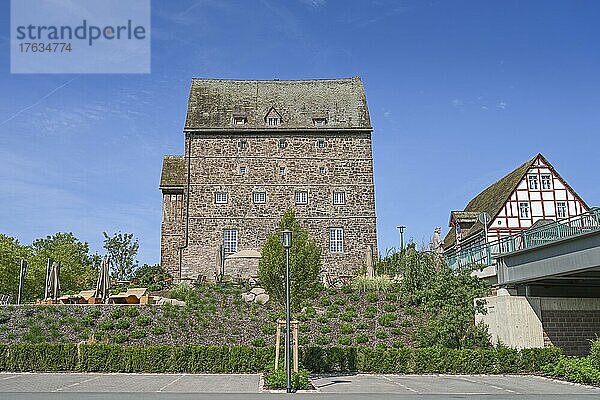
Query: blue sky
{"x": 460, "y": 93}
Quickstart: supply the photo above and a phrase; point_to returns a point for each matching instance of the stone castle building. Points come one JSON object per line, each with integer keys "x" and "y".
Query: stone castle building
{"x": 254, "y": 149}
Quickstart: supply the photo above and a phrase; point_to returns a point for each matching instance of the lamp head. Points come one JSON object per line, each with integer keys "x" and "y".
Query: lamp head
{"x": 287, "y": 238}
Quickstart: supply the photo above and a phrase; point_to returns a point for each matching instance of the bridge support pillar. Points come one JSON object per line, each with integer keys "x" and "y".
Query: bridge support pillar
{"x": 526, "y": 322}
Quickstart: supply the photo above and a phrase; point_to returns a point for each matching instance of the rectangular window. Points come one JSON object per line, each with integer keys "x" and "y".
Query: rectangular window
{"x": 243, "y": 170}
{"x": 282, "y": 144}
{"x": 259, "y": 197}
{"x": 301, "y": 197}
{"x": 561, "y": 209}
{"x": 321, "y": 143}
{"x": 339, "y": 198}
{"x": 336, "y": 240}
{"x": 230, "y": 241}
{"x": 322, "y": 170}
{"x": 221, "y": 197}
{"x": 533, "y": 182}
{"x": 272, "y": 121}
{"x": 524, "y": 210}
{"x": 282, "y": 171}
{"x": 546, "y": 182}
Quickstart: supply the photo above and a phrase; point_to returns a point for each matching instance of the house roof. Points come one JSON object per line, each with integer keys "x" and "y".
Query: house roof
{"x": 173, "y": 172}
{"x": 213, "y": 103}
{"x": 492, "y": 199}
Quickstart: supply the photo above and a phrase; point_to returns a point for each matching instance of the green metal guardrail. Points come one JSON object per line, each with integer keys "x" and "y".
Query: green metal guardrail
{"x": 486, "y": 253}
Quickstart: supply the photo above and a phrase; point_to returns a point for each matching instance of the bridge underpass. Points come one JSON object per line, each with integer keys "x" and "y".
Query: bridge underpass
{"x": 548, "y": 284}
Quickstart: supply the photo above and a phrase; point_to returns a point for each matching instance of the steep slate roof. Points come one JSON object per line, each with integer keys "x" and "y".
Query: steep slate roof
{"x": 173, "y": 172}
{"x": 213, "y": 103}
{"x": 492, "y": 199}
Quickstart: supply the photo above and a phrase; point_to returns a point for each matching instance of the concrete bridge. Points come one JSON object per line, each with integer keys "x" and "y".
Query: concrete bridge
{"x": 547, "y": 282}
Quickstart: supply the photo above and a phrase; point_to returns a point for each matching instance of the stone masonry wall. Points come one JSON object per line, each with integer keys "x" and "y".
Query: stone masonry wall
{"x": 215, "y": 166}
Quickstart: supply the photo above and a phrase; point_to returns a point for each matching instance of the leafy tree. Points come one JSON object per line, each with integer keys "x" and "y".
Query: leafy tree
{"x": 122, "y": 249}
{"x": 11, "y": 254}
{"x": 77, "y": 269}
{"x": 449, "y": 298}
{"x": 154, "y": 277}
{"x": 417, "y": 269}
{"x": 305, "y": 264}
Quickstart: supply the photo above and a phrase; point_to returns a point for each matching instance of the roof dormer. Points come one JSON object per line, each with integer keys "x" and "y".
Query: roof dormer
{"x": 273, "y": 118}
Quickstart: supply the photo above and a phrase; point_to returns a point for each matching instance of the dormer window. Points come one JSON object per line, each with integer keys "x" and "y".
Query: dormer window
{"x": 273, "y": 118}
{"x": 320, "y": 121}
{"x": 239, "y": 120}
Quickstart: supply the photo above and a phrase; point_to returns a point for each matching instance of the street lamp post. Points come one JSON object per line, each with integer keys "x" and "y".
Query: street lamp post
{"x": 287, "y": 244}
{"x": 401, "y": 228}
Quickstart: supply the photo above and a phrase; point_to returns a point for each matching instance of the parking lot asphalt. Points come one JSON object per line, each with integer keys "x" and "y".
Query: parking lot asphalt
{"x": 72, "y": 386}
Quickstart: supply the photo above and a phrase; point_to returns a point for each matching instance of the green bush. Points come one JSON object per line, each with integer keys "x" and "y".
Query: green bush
{"x": 324, "y": 329}
{"x": 122, "y": 324}
{"x": 116, "y": 313}
{"x": 370, "y": 312}
{"x": 362, "y": 326}
{"x": 323, "y": 340}
{"x": 372, "y": 297}
{"x": 389, "y": 307}
{"x": 362, "y": 338}
{"x": 106, "y": 325}
{"x": 324, "y": 301}
{"x": 258, "y": 342}
{"x": 573, "y": 369}
{"x": 94, "y": 313}
{"x": 132, "y": 311}
{"x": 310, "y": 312}
{"x": 158, "y": 330}
{"x": 120, "y": 337}
{"x": 278, "y": 379}
{"x": 396, "y": 331}
{"x": 323, "y": 319}
{"x": 269, "y": 329}
{"x": 209, "y": 359}
{"x": 407, "y": 323}
{"x": 345, "y": 340}
{"x": 339, "y": 301}
{"x": 346, "y": 328}
{"x": 137, "y": 334}
{"x": 387, "y": 319}
{"x": 595, "y": 353}
{"x": 381, "y": 335}
{"x": 143, "y": 320}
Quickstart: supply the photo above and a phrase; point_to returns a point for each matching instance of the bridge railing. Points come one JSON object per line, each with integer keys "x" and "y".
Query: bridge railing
{"x": 486, "y": 253}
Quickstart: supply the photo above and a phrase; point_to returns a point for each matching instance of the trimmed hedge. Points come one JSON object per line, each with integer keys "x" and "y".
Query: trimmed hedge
{"x": 214, "y": 359}
{"x": 427, "y": 360}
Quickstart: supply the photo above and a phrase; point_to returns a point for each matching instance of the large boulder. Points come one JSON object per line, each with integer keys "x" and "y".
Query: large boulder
{"x": 262, "y": 299}
{"x": 248, "y": 297}
{"x": 258, "y": 291}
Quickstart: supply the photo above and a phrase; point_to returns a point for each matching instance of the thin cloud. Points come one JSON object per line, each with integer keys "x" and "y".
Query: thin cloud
{"x": 37, "y": 102}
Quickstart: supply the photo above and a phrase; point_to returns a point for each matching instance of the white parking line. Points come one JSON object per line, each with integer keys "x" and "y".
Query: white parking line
{"x": 9, "y": 377}
{"x": 487, "y": 384}
{"x": 399, "y": 384}
{"x": 77, "y": 383}
{"x": 169, "y": 384}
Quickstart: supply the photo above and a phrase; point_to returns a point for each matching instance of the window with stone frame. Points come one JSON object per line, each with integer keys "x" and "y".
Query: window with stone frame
{"x": 282, "y": 171}
{"x": 336, "y": 240}
{"x": 243, "y": 144}
{"x": 243, "y": 170}
{"x": 321, "y": 143}
{"x": 282, "y": 143}
{"x": 221, "y": 197}
{"x": 546, "y": 182}
{"x": 259, "y": 197}
{"x": 339, "y": 198}
{"x": 561, "y": 209}
{"x": 301, "y": 197}
{"x": 524, "y": 210}
{"x": 230, "y": 241}
{"x": 322, "y": 170}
